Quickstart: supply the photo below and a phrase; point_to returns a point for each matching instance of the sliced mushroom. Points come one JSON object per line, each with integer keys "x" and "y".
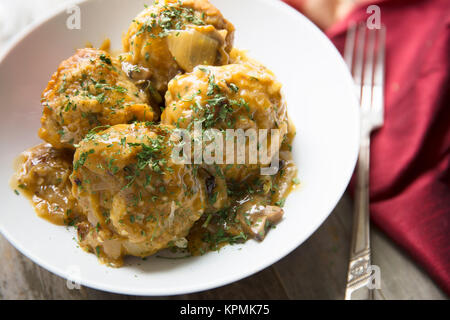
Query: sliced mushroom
{"x": 273, "y": 214}
{"x": 210, "y": 183}
{"x": 181, "y": 243}
{"x": 258, "y": 218}
{"x": 284, "y": 182}
{"x": 82, "y": 230}
{"x": 147, "y": 86}
{"x": 217, "y": 190}
{"x": 136, "y": 73}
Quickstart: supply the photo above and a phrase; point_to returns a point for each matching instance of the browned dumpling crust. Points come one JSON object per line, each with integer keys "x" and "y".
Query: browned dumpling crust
{"x": 136, "y": 199}
{"x": 173, "y": 36}
{"x": 89, "y": 90}
{"x": 236, "y": 96}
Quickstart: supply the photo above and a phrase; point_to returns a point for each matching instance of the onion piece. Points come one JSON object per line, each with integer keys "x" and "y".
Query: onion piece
{"x": 191, "y": 48}
{"x": 112, "y": 248}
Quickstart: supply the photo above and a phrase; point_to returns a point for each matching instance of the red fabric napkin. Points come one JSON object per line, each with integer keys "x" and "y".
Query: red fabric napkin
{"x": 410, "y": 155}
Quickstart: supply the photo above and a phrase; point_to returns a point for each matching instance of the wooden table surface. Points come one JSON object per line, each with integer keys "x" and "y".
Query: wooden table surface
{"x": 315, "y": 270}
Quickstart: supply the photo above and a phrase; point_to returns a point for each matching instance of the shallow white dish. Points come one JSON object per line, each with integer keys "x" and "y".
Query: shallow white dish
{"x": 321, "y": 102}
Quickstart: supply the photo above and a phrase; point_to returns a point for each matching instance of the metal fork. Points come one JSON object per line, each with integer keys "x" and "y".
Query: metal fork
{"x": 365, "y": 56}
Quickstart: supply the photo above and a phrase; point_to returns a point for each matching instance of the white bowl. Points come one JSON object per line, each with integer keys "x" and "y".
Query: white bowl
{"x": 321, "y": 102}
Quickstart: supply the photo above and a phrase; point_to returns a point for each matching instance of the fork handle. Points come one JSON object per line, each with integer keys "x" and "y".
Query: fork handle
{"x": 361, "y": 238}
{"x": 360, "y": 261}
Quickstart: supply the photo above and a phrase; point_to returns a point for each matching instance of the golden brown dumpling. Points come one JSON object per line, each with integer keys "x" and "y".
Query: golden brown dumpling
{"x": 89, "y": 90}
{"x": 236, "y": 96}
{"x": 137, "y": 200}
{"x": 172, "y": 36}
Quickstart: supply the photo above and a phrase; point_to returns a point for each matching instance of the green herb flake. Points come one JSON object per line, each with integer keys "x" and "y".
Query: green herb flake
{"x": 82, "y": 160}
{"x": 105, "y": 59}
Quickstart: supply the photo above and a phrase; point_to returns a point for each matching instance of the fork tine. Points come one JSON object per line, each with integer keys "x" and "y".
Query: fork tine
{"x": 379, "y": 70}
{"x": 368, "y": 72}
{"x": 359, "y": 59}
{"x": 378, "y": 89}
{"x": 350, "y": 45}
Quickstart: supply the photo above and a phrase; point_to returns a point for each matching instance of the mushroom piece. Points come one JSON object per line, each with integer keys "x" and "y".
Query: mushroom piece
{"x": 82, "y": 230}
{"x": 273, "y": 214}
{"x": 210, "y": 183}
{"x": 216, "y": 189}
{"x": 141, "y": 77}
{"x": 135, "y": 72}
{"x": 258, "y": 219}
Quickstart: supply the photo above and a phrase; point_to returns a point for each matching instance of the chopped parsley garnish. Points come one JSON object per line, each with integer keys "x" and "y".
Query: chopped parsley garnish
{"x": 150, "y": 156}
{"x": 81, "y": 161}
{"x": 97, "y": 250}
{"x": 171, "y": 17}
{"x": 281, "y": 202}
{"x": 233, "y": 87}
{"x": 105, "y": 59}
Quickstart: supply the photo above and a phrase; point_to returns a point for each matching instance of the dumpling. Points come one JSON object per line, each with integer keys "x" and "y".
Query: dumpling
{"x": 89, "y": 90}
{"x": 173, "y": 36}
{"x": 136, "y": 198}
{"x": 236, "y": 96}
